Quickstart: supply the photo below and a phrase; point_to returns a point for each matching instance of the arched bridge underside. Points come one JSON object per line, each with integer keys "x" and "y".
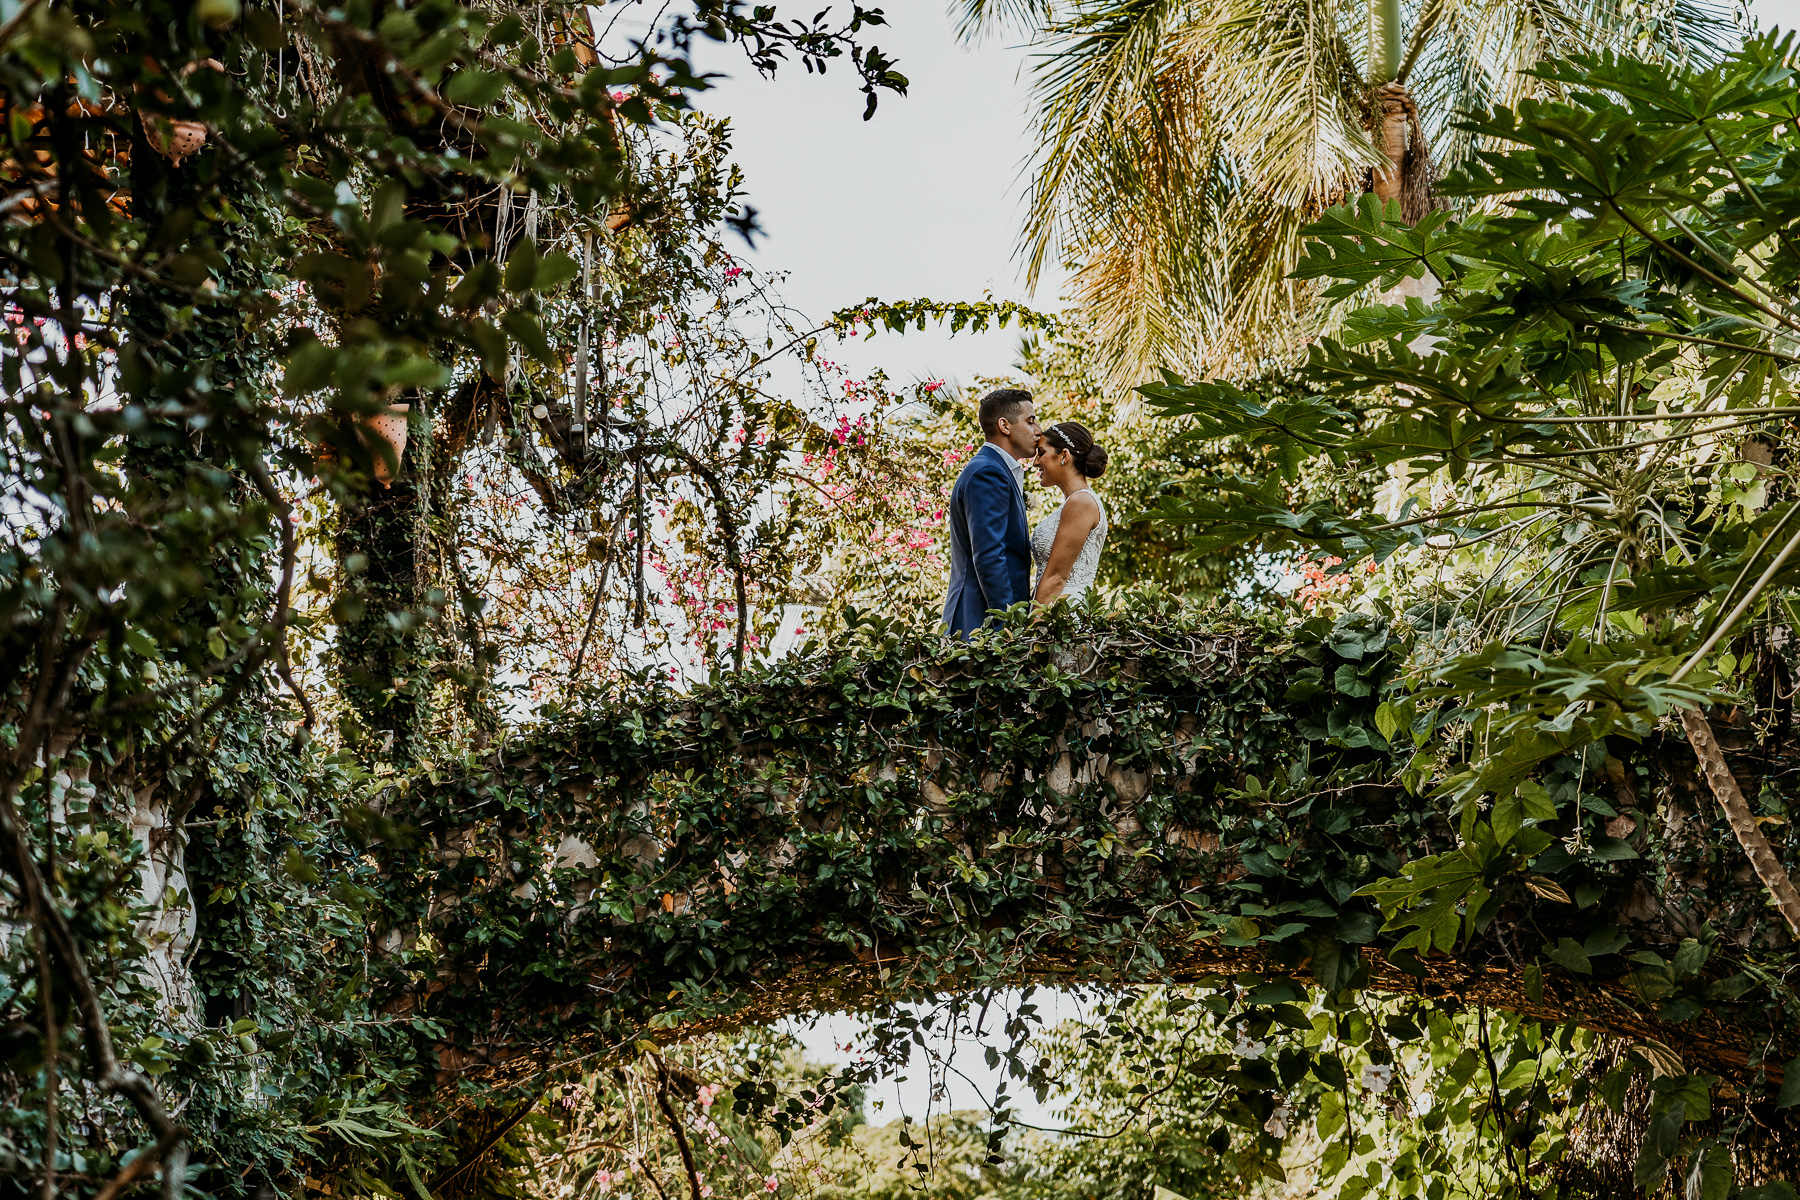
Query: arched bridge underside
{"x": 898, "y": 817}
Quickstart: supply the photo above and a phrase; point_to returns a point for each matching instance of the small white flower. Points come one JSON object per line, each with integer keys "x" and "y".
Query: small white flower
{"x": 1248, "y": 1047}
{"x": 1277, "y": 1124}
{"x": 1377, "y": 1076}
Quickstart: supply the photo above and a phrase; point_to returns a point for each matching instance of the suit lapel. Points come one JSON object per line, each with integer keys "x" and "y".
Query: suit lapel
{"x": 1017, "y": 491}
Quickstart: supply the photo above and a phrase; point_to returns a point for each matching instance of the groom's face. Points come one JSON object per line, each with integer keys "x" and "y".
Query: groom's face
{"x": 1019, "y": 433}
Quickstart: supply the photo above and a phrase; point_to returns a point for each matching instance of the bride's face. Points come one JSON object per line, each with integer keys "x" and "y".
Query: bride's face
{"x": 1053, "y": 465}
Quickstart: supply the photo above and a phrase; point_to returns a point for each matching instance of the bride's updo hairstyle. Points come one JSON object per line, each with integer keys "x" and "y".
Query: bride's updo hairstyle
{"x": 1085, "y": 454}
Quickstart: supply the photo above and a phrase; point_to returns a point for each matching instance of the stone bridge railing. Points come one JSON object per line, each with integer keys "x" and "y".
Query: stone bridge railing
{"x": 896, "y": 817}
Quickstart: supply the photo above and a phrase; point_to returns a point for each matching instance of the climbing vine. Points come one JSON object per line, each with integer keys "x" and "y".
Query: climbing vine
{"x": 284, "y": 955}
{"x": 1218, "y": 802}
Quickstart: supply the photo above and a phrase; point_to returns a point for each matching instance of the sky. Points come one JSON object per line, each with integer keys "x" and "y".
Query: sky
{"x": 924, "y": 200}
{"x": 1784, "y": 14}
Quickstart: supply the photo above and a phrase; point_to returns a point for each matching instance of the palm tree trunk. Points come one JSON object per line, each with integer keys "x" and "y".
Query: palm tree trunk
{"x": 1394, "y": 123}
{"x": 1384, "y": 41}
{"x": 1738, "y": 815}
{"x": 1406, "y": 177}
{"x": 1391, "y": 119}
{"x": 1394, "y": 120}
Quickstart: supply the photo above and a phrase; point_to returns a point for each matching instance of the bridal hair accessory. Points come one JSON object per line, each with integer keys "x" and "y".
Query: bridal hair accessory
{"x": 1087, "y": 455}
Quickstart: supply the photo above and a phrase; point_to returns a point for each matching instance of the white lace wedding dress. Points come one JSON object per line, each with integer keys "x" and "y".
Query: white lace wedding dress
{"x": 1087, "y": 563}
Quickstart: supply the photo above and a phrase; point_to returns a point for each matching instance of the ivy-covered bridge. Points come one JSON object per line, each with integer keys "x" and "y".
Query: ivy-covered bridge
{"x": 1150, "y": 801}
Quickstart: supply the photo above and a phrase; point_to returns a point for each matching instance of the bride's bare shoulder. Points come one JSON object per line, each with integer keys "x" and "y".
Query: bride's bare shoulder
{"x": 1082, "y": 509}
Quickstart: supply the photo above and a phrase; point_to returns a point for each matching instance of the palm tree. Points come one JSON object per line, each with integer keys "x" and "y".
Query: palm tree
{"x": 1183, "y": 145}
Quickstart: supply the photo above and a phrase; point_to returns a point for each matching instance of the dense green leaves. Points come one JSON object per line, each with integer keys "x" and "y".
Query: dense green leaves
{"x": 234, "y": 236}
{"x": 1573, "y": 465}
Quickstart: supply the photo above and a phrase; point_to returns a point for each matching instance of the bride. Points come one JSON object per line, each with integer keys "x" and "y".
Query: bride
{"x": 1066, "y": 544}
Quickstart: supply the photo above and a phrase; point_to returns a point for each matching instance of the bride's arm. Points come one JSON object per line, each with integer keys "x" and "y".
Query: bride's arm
{"x": 1079, "y": 516}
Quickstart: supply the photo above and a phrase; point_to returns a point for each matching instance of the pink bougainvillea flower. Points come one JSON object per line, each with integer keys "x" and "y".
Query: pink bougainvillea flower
{"x": 733, "y": 272}
{"x": 933, "y": 386}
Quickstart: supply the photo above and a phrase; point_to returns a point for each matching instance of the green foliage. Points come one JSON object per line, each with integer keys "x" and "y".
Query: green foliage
{"x": 693, "y": 1116}
{"x": 403, "y": 955}
{"x": 1183, "y": 150}
{"x": 1573, "y": 336}
{"x": 1578, "y": 464}
{"x": 871, "y": 821}
{"x": 1554, "y": 431}
{"x": 1208, "y": 1093}
{"x": 218, "y": 266}
{"x": 974, "y": 316}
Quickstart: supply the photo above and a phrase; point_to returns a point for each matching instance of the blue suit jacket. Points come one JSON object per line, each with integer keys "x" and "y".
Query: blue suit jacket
{"x": 990, "y": 547}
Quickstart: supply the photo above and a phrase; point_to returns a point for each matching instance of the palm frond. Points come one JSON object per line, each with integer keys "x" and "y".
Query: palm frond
{"x": 1182, "y": 148}
{"x": 1287, "y": 76}
{"x": 1097, "y": 83}
{"x": 1479, "y": 53}
{"x": 1146, "y": 158}
{"x": 977, "y": 19}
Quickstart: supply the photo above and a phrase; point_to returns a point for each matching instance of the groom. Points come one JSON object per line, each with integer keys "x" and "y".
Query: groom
{"x": 990, "y": 547}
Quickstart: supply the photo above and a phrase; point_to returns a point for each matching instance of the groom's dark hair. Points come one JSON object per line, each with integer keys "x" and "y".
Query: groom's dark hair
{"x": 1001, "y": 404}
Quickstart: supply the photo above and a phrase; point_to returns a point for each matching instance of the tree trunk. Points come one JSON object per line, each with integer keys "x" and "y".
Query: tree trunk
{"x": 1738, "y": 815}
{"x": 1384, "y": 41}
{"x": 1406, "y": 179}
{"x": 154, "y": 789}
{"x": 382, "y": 660}
{"x": 1391, "y": 127}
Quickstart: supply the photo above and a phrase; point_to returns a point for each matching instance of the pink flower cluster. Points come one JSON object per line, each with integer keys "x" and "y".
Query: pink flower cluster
{"x": 915, "y": 542}
{"x": 711, "y": 1132}
{"x": 1314, "y": 582}
{"x": 847, "y": 431}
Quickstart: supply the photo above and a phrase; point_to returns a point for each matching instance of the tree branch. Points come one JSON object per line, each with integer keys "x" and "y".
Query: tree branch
{"x": 681, "y": 1142}
{"x": 277, "y": 631}
{"x": 138, "y": 1167}
{"x": 1738, "y": 815}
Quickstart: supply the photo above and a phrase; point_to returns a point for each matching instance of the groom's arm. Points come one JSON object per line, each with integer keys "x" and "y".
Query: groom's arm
{"x": 989, "y": 498}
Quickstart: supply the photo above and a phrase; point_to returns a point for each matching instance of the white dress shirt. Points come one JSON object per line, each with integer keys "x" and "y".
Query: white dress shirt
{"x": 1013, "y": 465}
